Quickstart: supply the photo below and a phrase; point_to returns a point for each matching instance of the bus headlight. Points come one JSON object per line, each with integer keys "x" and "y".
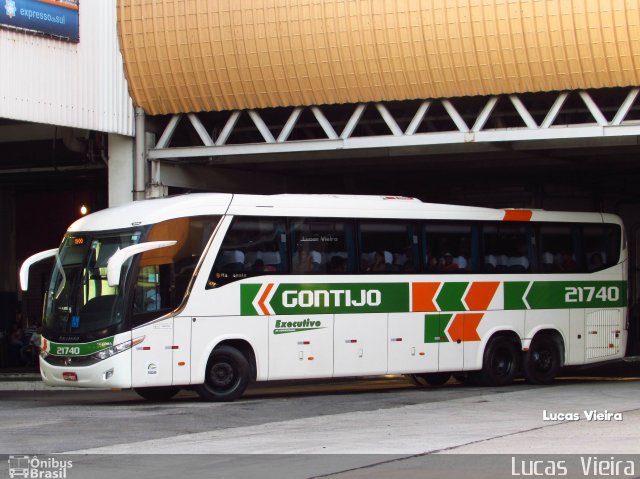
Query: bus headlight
{"x": 118, "y": 348}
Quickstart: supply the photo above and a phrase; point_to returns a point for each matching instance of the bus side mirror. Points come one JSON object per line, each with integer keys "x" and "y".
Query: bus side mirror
{"x": 24, "y": 269}
{"x": 114, "y": 265}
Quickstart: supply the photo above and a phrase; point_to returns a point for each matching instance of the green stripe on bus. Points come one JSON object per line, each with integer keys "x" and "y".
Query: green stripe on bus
{"x": 333, "y": 298}
{"x": 341, "y": 298}
{"x": 79, "y": 349}
{"x": 434, "y": 327}
{"x": 450, "y": 296}
{"x": 248, "y": 292}
{"x": 565, "y": 294}
{"x": 514, "y": 294}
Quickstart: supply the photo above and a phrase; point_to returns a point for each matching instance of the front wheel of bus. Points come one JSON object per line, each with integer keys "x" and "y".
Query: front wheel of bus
{"x": 226, "y": 377}
{"x": 500, "y": 362}
{"x": 157, "y": 393}
{"x": 542, "y": 361}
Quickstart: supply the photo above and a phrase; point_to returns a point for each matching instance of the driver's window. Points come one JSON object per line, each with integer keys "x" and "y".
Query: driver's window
{"x": 148, "y": 291}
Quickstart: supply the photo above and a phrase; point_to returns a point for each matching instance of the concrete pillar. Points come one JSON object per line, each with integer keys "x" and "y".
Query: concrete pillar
{"x": 121, "y": 165}
{"x": 8, "y": 281}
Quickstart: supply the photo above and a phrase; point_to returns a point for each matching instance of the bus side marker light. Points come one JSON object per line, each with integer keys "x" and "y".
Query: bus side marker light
{"x": 396, "y": 339}
{"x": 311, "y": 358}
{"x": 181, "y": 363}
{"x": 421, "y": 353}
{"x": 172, "y": 347}
{"x": 304, "y": 342}
{"x": 351, "y": 341}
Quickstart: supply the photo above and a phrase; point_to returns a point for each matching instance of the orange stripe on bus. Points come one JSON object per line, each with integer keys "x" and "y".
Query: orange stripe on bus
{"x": 262, "y": 299}
{"x": 423, "y": 295}
{"x": 464, "y": 327}
{"x": 480, "y": 295}
{"x": 517, "y": 215}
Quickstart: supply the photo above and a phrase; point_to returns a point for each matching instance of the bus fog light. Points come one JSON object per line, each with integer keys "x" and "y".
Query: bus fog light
{"x": 108, "y": 374}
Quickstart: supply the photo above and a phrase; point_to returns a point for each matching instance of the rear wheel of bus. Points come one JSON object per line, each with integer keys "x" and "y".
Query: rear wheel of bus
{"x": 500, "y": 364}
{"x": 226, "y": 377}
{"x": 542, "y": 361}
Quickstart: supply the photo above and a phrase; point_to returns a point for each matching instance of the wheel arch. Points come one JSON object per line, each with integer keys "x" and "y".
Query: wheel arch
{"x": 503, "y": 331}
{"x": 242, "y": 344}
{"x": 246, "y": 349}
{"x": 556, "y": 336}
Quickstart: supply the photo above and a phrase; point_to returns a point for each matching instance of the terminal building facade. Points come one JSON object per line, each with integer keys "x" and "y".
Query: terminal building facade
{"x": 504, "y": 103}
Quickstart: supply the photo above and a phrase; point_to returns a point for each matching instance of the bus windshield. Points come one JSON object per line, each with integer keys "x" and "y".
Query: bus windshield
{"x": 79, "y": 300}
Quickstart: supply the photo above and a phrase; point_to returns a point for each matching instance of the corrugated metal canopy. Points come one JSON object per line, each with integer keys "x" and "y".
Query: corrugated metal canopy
{"x": 206, "y": 55}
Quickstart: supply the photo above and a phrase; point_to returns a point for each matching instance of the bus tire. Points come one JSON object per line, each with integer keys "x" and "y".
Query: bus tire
{"x": 542, "y": 361}
{"x": 158, "y": 393}
{"x": 226, "y": 376}
{"x": 500, "y": 362}
{"x": 429, "y": 379}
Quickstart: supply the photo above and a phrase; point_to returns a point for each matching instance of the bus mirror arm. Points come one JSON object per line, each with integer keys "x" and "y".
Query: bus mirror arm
{"x": 24, "y": 269}
{"x": 114, "y": 265}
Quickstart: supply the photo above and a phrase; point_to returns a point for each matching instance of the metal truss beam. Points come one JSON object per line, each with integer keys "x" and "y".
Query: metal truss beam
{"x": 516, "y": 118}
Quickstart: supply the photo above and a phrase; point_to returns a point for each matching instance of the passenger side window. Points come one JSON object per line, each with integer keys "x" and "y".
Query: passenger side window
{"x": 601, "y": 246}
{"x": 322, "y": 246}
{"x": 558, "y": 252}
{"x": 388, "y": 247}
{"x": 448, "y": 248}
{"x": 251, "y": 247}
{"x": 507, "y": 248}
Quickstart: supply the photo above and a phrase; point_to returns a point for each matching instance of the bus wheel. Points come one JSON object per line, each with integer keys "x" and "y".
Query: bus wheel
{"x": 157, "y": 393}
{"x": 542, "y": 361}
{"x": 226, "y": 377}
{"x": 429, "y": 379}
{"x": 500, "y": 362}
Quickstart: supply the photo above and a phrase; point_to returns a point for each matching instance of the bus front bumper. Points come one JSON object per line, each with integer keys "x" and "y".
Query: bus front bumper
{"x": 113, "y": 372}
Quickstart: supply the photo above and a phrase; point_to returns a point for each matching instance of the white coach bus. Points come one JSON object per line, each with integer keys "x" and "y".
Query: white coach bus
{"x": 213, "y": 291}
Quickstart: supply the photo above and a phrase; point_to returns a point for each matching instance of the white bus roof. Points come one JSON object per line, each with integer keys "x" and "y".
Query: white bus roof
{"x": 345, "y": 206}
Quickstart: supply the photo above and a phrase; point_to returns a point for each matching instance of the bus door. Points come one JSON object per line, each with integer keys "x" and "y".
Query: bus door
{"x": 181, "y": 349}
{"x": 411, "y": 350}
{"x": 300, "y": 346}
{"x": 446, "y": 330}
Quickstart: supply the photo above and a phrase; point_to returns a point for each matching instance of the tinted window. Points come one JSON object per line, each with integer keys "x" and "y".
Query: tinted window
{"x": 322, "y": 246}
{"x": 506, "y": 248}
{"x": 251, "y": 247}
{"x": 601, "y": 246}
{"x": 390, "y": 247}
{"x": 558, "y": 252}
{"x": 448, "y": 248}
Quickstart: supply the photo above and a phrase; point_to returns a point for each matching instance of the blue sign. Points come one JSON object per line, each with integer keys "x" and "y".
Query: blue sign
{"x": 58, "y": 18}
{"x": 75, "y": 321}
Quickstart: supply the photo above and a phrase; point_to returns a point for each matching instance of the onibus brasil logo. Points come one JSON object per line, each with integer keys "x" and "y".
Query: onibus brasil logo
{"x": 40, "y": 468}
